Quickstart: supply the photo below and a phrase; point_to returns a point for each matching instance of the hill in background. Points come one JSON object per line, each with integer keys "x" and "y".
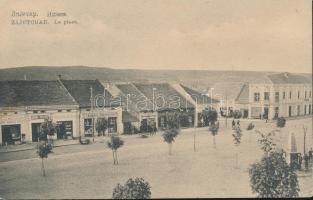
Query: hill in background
{"x": 198, "y": 79}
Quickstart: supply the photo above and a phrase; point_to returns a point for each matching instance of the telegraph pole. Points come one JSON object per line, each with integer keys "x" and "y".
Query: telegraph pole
{"x": 92, "y": 117}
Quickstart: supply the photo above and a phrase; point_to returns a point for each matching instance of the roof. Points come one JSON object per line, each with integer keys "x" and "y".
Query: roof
{"x": 134, "y": 98}
{"x": 288, "y": 78}
{"x": 243, "y": 96}
{"x": 164, "y": 96}
{"x": 230, "y": 90}
{"x": 198, "y": 97}
{"x": 80, "y": 90}
{"x": 34, "y": 93}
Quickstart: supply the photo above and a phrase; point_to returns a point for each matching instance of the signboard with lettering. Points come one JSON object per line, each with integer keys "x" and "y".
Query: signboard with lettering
{"x": 34, "y": 117}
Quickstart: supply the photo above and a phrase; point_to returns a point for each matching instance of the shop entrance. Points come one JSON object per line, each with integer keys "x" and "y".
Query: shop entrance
{"x": 35, "y": 131}
{"x": 11, "y": 133}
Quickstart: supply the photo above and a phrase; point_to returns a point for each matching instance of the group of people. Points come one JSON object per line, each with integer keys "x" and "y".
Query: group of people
{"x": 233, "y": 123}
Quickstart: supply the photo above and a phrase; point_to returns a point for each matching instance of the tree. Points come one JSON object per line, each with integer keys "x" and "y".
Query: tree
{"x": 43, "y": 152}
{"x": 237, "y": 140}
{"x": 272, "y": 177}
{"x": 101, "y": 126}
{"x": 172, "y": 131}
{"x": 280, "y": 122}
{"x": 115, "y": 143}
{"x": 209, "y": 116}
{"x": 48, "y": 128}
{"x": 132, "y": 189}
{"x": 169, "y": 137}
{"x": 214, "y": 130}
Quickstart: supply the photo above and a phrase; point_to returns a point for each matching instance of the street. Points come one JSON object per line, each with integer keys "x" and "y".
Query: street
{"x": 87, "y": 171}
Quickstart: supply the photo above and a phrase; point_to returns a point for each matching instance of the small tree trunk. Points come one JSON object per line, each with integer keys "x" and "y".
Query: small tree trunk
{"x": 113, "y": 157}
{"x": 169, "y": 148}
{"x": 237, "y": 159}
{"x": 43, "y": 167}
{"x": 194, "y": 142}
{"x": 116, "y": 157}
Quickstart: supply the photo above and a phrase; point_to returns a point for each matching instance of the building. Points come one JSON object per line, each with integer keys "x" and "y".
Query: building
{"x": 95, "y": 103}
{"x": 199, "y": 100}
{"x": 168, "y": 102}
{"x": 280, "y": 95}
{"x": 24, "y": 105}
{"x": 138, "y": 109}
{"x": 226, "y": 93}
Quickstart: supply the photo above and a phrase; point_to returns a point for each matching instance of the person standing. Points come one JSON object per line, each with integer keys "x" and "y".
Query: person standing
{"x": 233, "y": 124}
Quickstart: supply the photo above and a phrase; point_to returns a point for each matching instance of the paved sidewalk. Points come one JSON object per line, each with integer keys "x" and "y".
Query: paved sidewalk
{"x": 30, "y": 146}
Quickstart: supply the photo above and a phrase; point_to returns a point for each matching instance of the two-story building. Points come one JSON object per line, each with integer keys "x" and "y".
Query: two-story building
{"x": 280, "y": 95}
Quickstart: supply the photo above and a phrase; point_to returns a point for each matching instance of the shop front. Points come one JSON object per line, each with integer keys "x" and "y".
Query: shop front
{"x": 88, "y": 120}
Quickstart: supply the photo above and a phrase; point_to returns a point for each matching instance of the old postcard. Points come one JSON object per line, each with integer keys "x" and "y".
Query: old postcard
{"x": 139, "y": 99}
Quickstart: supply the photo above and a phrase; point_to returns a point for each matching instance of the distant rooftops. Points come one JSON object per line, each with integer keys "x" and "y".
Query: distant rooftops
{"x": 288, "y": 78}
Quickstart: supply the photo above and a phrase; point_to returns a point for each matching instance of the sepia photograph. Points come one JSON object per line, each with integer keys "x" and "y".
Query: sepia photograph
{"x": 150, "y": 99}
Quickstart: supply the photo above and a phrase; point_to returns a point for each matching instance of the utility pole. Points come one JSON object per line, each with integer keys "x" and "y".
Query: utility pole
{"x": 226, "y": 107}
{"x": 92, "y": 117}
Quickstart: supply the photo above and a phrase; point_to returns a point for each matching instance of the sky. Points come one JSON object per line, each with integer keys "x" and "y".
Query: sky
{"x": 254, "y": 35}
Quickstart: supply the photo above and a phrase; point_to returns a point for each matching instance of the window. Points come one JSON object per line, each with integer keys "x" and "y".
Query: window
{"x": 35, "y": 111}
{"x": 59, "y": 110}
{"x": 87, "y": 109}
{"x": 266, "y": 96}
{"x": 88, "y": 126}
{"x": 298, "y": 94}
{"x": 276, "y": 112}
{"x": 112, "y": 126}
{"x": 284, "y": 95}
{"x": 257, "y": 97}
{"x": 290, "y": 95}
{"x": 68, "y": 110}
{"x": 298, "y": 109}
{"x": 305, "y": 94}
{"x": 65, "y": 129}
{"x": 5, "y": 113}
{"x": 42, "y": 111}
{"x": 15, "y": 112}
{"x": 276, "y": 96}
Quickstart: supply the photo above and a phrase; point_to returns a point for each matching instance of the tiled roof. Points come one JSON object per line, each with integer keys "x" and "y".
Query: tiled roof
{"x": 229, "y": 89}
{"x": 81, "y": 92}
{"x": 34, "y": 93}
{"x": 243, "y": 96}
{"x": 135, "y": 99}
{"x": 198, "y": 97}
{"x": 288, "y": 78}
{"x": 164, "y": 96}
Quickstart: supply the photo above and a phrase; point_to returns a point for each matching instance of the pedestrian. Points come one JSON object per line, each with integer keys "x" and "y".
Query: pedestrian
{"x": 300, "y": 160}
{"x": 238, "y": 123}
{"x": 311, "y": 154}
{"x": 233, "y": 123}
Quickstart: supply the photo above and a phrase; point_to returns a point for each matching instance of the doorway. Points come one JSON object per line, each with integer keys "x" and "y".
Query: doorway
{"x": 289, "y": 111}
{"x": 35, "y": 131}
